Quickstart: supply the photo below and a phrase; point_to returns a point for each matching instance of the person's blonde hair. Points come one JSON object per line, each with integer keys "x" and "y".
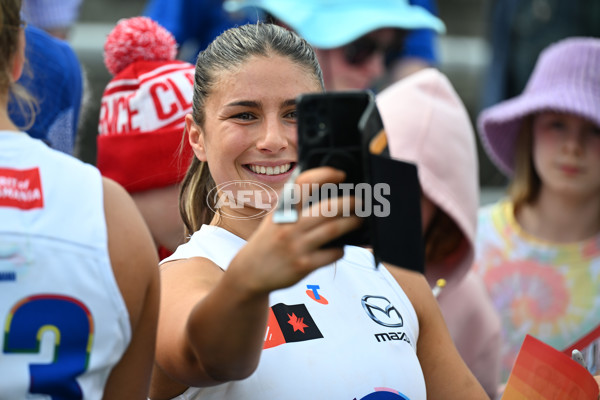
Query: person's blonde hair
{"x": 10, "y": 27}
{"x": 227, "y": 52}
{"x": 525, "y": 184}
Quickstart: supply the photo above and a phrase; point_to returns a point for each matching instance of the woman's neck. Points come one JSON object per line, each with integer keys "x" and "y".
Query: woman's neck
{"x": 5, "y": 123}
{"x": 560, "y": 219}
{"x": 243, "y": 228}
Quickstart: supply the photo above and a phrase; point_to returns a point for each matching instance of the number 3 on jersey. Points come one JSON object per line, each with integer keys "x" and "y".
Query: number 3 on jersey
{"x": 73, "y": 328}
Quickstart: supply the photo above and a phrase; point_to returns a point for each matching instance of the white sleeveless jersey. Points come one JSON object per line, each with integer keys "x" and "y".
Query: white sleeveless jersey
{"x": 65, "y": 322}
{"x": 345, "y": 332}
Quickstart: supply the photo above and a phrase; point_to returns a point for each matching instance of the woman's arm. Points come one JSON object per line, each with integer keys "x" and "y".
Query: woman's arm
{"x": 446, "y": 374}
{"x": 135, "y": 266}
{"x": 212, "y": 323}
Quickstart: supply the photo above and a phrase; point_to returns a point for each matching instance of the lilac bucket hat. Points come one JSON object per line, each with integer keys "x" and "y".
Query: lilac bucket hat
{"x": 566, "y": 78}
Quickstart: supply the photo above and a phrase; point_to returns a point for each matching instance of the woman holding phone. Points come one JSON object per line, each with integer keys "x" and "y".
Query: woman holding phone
{"x": 252, "y": 309}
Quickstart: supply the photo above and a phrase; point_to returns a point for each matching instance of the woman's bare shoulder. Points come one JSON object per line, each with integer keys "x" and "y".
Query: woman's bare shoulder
{"x": 414, "y": 285}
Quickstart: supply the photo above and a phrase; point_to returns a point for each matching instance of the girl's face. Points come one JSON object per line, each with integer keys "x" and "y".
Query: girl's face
{"x": 249, "y": 133}
{"x": 566, "y": 153}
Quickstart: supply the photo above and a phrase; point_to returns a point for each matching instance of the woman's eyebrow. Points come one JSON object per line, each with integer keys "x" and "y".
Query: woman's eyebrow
{"x": 258, "y": 104}
{"x": 290, "y": 102}
{"x": 245, "y": 103}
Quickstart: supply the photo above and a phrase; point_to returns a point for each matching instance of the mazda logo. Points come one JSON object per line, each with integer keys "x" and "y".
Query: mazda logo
{"x": 382, "y": 311}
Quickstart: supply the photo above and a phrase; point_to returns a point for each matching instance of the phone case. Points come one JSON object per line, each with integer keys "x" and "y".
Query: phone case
{"x": 344, "y": 130}
{"x": 328, "y": 135}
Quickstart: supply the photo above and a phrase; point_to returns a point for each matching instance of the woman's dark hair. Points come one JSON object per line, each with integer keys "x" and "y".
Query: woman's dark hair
{"x": 227, "y": 52}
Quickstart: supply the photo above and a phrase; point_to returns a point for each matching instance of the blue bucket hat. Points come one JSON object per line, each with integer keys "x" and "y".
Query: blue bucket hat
{"x": 328, "y": 24}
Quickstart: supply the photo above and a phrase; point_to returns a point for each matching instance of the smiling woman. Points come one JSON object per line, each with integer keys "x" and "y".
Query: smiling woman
{"x": 251, "y": 309}
{"x": 248, "y": 140}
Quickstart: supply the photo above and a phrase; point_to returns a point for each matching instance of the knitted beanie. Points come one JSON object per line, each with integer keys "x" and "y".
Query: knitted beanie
{"x": 141, "y": 126}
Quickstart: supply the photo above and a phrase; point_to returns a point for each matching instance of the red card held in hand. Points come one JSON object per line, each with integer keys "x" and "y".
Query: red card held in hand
{"x": 541, "y": 372}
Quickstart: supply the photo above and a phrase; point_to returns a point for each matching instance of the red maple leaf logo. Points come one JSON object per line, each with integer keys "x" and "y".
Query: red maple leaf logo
{"x": 297, "y": 323}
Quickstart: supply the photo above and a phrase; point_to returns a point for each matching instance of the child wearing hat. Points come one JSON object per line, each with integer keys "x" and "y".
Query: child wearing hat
{"x": 538, "y": 249}
{"x": 142, "y": 121}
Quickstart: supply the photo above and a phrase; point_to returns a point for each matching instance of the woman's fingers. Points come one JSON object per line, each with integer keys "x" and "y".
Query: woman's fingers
{"x": 321, "y": 176}
{"x": 327, "y": 214}
{"x": 329, "y": 230}
{"x": 294, "y": 249}
{"x": 319, "y": 211}
{"x": 319, "y": 258}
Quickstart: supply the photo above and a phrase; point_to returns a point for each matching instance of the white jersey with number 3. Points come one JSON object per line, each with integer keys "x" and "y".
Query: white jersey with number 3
{"x": 65, "y": 322}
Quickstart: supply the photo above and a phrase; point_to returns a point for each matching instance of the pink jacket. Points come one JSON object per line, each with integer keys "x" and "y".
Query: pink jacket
{"x": 427, "y": 124}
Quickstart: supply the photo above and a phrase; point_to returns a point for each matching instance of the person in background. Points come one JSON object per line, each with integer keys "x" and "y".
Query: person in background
{"x": 537, "y": 249}
{"x": 355, "y": 41}
{"x": 419, "y": 50}
{"x": 56, "y": 17}
{"x": 80, "y": 290}
{"x": 520, "y": 29}
{"x": 54, "y": 76}
{"x": 193, "y": 23}
{"x": 251, "y": 309}
{"x": 427, "y": 124}
{"x": 141, "y": 123}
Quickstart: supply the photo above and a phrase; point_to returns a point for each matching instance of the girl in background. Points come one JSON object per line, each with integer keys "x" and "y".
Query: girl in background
{"x": 538, "y": 250}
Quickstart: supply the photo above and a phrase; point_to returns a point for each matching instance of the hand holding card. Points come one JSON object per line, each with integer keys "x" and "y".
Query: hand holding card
{"x": 542, "y": 372}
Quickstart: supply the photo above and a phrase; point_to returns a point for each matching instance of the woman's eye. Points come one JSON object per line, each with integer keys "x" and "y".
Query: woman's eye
{"x": 291, "y": 115}
{"x": 246, "y": 116}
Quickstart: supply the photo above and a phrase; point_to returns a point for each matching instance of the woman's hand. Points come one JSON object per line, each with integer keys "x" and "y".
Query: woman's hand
{"x": 279, "y": 255}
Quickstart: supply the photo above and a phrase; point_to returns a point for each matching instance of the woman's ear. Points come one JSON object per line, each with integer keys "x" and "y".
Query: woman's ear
{"x": 195, "y": 137}
{"x": 18, "y": 60}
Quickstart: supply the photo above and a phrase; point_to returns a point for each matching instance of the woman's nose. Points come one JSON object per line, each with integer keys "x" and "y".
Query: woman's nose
{"x": 274, "y": 137}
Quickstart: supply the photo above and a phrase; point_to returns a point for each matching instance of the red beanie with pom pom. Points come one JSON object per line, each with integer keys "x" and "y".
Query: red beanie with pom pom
{"x": 143, "y": 107}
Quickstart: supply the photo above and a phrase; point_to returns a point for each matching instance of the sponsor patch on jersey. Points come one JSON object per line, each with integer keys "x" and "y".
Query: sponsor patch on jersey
{"x": 313, "y": 292}
{"x": 382, "y": 311}
{"x": 21, "y": 188}
{"x": 290, "y": 324}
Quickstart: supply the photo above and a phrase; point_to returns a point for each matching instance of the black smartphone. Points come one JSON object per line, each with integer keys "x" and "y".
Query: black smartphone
{"x": 334, "y": 129}
{"x": 344, "y": 130}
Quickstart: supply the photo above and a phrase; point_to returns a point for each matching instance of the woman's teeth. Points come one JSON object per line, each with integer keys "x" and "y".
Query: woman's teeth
{"x": 280, "y": 169}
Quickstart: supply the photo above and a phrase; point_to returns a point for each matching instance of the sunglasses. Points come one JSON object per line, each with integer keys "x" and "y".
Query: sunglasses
{"x": 362, "y": 49}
